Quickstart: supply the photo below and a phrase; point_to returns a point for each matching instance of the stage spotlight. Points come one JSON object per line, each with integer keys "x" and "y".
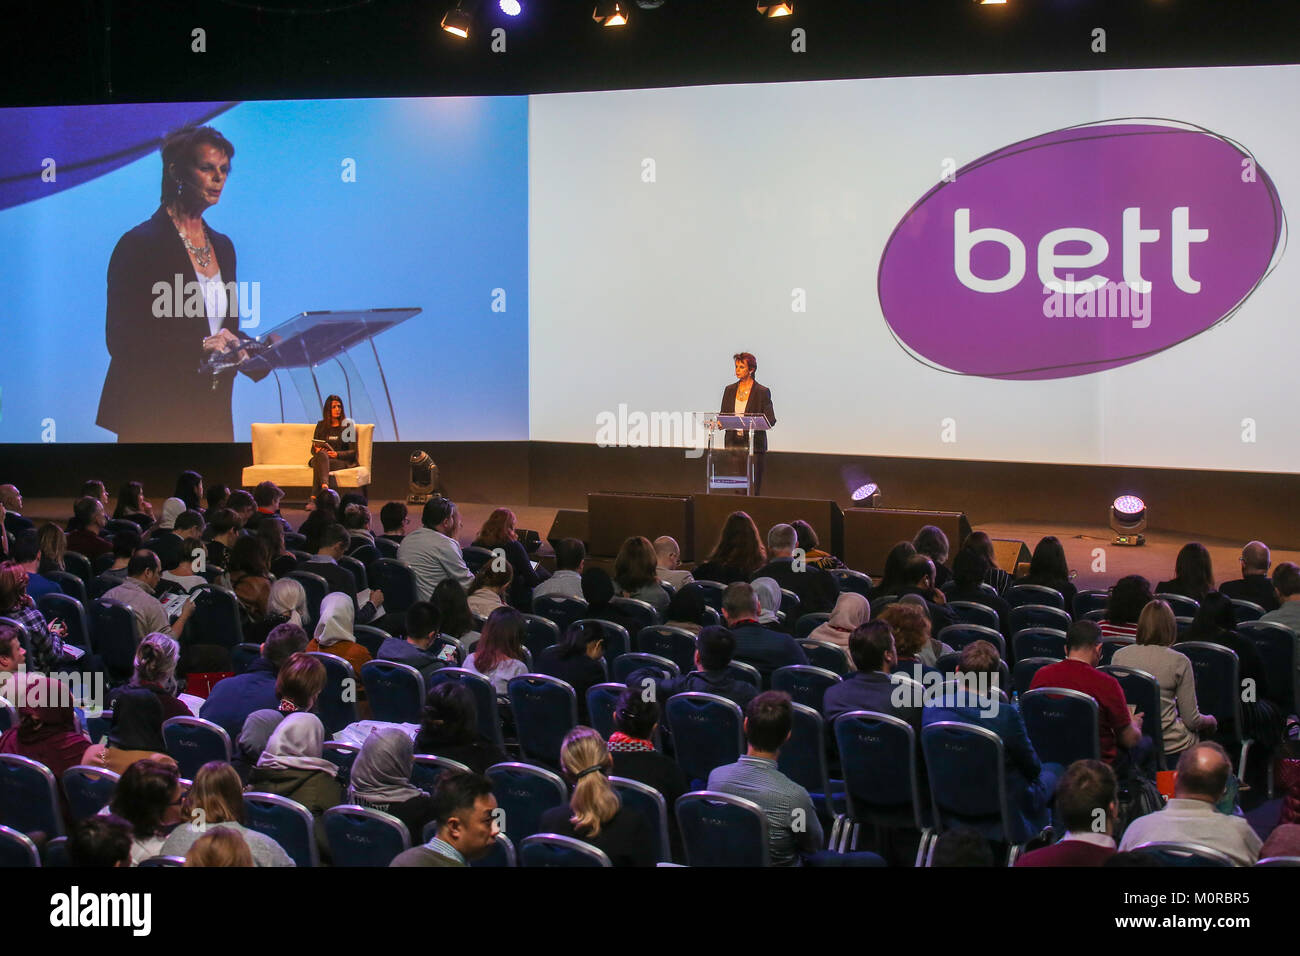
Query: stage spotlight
{"x": 424, "y": 479}
{"x": 989, "y": 3}
{"x": 460, "y": 18}
{"x": 610, "y": 13}
{"x": 1128, "y": 517}
{"x": 769, "y": 9}
{"x": 863, "y": 492}
{"x": 510, "y": 8}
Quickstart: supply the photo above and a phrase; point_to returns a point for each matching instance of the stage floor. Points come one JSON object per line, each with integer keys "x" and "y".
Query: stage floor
{"x": 1154, "y": 560}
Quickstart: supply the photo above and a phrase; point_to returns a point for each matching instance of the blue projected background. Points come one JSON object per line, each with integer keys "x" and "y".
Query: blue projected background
{"x": 437, "y": 218}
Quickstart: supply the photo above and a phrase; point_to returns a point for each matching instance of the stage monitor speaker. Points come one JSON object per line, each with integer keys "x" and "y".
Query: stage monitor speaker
{"x": 568, "y": 523}
{"x": 613, "y": 517}
{"x": 1009, "y": 554}
{"x": 870, "y": 533}
{"x": 711, "y": 513}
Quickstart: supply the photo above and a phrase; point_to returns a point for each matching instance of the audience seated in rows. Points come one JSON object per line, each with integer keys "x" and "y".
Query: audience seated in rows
{"x": 570, "y": 554}
{"x": 174, "y": 544}
{"x": 454, "y": 617}
{"x": 148, "y": 798}
{"x": 768, "y": 593}
{"x": 598, "y": 592}
{"x": 1087, "y": 803}
{"x": 84, "y": 533}
{"x": 1254, "y": 585}
{"x": 216, "y": 799}
{"x": 1048, "y": 568}
{"x": 1193, "y": 573}
{"x": 394, "y": 518}
{"x": 45, "y": 639}
{"x": 231, "y": 700}
{"x": 994, "y": 576}
{"x": 765, "y": 649}
{"x": 381, "y": 780}
{"x": 1286, "y": 583}
{"x": 156, "y": 658}
{"x": 135, "y": 733}
{"x": 298, "y": 685}
{"x": 333, "y": 544}
{"x": 489, "y": 589}
{"x": 715, "y": 647}
{"x": 47, "y": 729}
{"x": 293, "y": 765}
{"x": 911, "y": 627}
{"x": 918, "y": 581}
{"x": 286, "y": 603}
{"x": 418, "y": 649}
{"x": 892, "y": 578}
{"x": 869, "y": 686}
{"x": 450, "y": 729}
{"x": 26, "y": 553}
{"x": 222, "y": 847}
{"x": 933, "y": 543}
{"x": 100, "y": 841}
{"x": 686, "y": 610}
{"x": 815, "y": 588}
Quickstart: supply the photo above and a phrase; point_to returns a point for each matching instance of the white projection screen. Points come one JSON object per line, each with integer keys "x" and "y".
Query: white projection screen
{"x": 670, "y": 228}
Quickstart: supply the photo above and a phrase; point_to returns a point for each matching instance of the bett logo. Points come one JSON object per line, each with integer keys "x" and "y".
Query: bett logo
{"x": 1010, "y": 269}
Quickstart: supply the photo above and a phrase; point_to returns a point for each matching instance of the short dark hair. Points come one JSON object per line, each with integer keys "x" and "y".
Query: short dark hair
{"x": 1128, "y": 597}
{"x": 569, "y": 553}
{"x": 436, "y": 511}
{"x": 239, "y": 500}
{"x": 284, "y": 641}
{"x": 962, "y": 846}
{"x": 83, "y": 509}
{"x": 92, "y": 488}
{"x": 26, "y": 549}
{"x": 1085, "y": 787}
{"x": 1286, "y": 578}
{"x": 932, "y": 542}
{"x": 143, "y": 560}
{"x": 143, "y": 794}
{"x": 450, "y": 716}
{"x": 267, "y": 493}
{"x": 768, "y": 720}
{"x": 356, "y": 517}
{"x": 332, "y": 534}
{"x": 869, "y": 644}
{"x": 10, "y": 640}
{"x": 392, "y": 515}
{"x": 918, "y": 568}
{"x": 99, "y": 841}
{"x": 969, "y": 568}
{"x": 634, "y": 715}
{"x": 457, "y": 792}
{"x": 216, "y": 496}
{"x": 1082, "y": 635}
{"x": 125, "y": 544}
{"x": 748, "y": 359}
{"x": 421, "y": 620}
{"x": 188, "y": 519}
{"x": 717, "y": 646}
{"x": 221, "y": 521}
{"x": 739, "y": 598}
{"x": 179, "y": 147}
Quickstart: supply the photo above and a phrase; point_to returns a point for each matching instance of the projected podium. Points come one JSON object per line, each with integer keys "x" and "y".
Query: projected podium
{"x": 310, "y": 342}
{"x": 731, "y": 469}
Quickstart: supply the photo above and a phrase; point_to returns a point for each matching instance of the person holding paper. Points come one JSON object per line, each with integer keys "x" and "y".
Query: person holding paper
{"x": 747, "y": 397}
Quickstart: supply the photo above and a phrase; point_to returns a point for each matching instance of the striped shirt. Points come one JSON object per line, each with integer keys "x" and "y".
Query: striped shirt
{"x": 781, "y": 799}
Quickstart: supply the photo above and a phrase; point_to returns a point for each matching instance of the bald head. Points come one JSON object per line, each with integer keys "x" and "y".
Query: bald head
{"x": 1255, "y": 558}
{"x": 11, "y": 498}
{"x": 667, "y": 552}
{"x": 1202, "y": 773}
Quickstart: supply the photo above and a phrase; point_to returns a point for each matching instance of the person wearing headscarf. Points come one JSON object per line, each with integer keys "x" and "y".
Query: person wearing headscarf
{"x": 172, "y": 509}
{"x": 851, "y": 611}
{"x": 334, "y": 631}
{"x": 293, "y": 765}
{"x": 769, "y": 602}
{"x": 135, "y": 734}
{"x": 381, "y": 780}
{"x": 47, "y": 726}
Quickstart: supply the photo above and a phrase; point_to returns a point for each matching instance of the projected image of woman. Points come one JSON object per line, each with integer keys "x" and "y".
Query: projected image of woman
{"x": 171, "y": 304}
{"x": 747, "y": 397}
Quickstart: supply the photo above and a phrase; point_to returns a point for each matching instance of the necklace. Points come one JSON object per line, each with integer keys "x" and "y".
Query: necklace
{"x": 202, "y": 254}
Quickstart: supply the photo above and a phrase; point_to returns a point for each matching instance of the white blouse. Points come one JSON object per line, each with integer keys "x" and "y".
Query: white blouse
{"x": 215, "y": 300}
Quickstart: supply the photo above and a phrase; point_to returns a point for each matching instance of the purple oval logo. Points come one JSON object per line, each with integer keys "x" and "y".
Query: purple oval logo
{"x": 1080, "y": 250}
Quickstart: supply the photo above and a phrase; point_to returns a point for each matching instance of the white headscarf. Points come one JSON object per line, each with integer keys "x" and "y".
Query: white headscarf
{"x": 851, "y": 611}
{"x": 337, "y": 615}
{"x": 173, "y": 508}
{"x": 297, "y": 745}
{"x": 769, "y": 599}
{"x": 382, "y": 771}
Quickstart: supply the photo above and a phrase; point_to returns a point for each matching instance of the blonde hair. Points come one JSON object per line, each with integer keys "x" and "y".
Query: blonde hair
{"x": 1156, "y": 624}
{"x": 221, "y": 846}
{"x": 911, "y": 626}
{"x": 586, "y": 760}
{"x": 218, "y": 792}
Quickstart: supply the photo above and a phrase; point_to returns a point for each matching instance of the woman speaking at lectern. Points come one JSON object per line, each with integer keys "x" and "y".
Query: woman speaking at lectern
{"x": 747, "y": 397}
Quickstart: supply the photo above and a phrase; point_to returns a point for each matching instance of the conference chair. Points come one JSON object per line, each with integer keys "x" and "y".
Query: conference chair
{"x": 803, "y": 759}
{"x": 386, "y": 547}
{"x": 285, "y": 821}
{"x": 73, "y": 586}
{"x": 342, "y": 756}
{"x": 1276, "y": 644}
{"x": 55, "y": 854}
{"x": 1109, "y": 645}
{"x": 501, "y": 854}
{"x": 87, "y": 790}
{"x": 428, "y": 768}
{"x": 1243, "y": 611}
{"x": 395, "y": 691}
{"x": 1021, "y": 594}
{"x": 354, "y": 567}
{"x": 807, "y": 623}
{"x": 1279, "y": 861}
{"x": 243, "y": 655}
{"x": 370, "y": 637}
{"x": 645, "y": 799}
{"x": 957, "y": 636}
{"x": 524, "y": 792}
{"x": 1184, "y": 854}
{"x": 485, "y": 699}
{"x": 545, "y": 709}
{"x": 602, "y": 701}
{"x": 675, "y": 643}
{"x": 711, "y": 591}
{"x": 826, "y": 655}
{"x": 1037, "y": 615}
{"x": 79, "y": 565}
{"x": 967, "y": 772}
{"x": 56, "y": 604}
{"x": 562, "y": 610}
{"x": 805, "y": 684}
{"x": 337, "y": 705}
{"x": 193, "y": 741}
{"x": 315, "y": 586}
{"x": 1038, "y": 642}
{"x": 552, "y": 849}
{"x": 1180, "y": 605}
{"x": 29, "y": 797}
{"x": 617, "y": 641}
{"x": 216, "y": 619}
{"x": 295, "y": 541}
{"x": 854, "y": 581}
{"x": 1216, "y": 672}
{"x": 1022, "y": 675}
{"x": 1062, "y": 724}
{"x": 719, "y": 829}
{"x": 878, "y": 761}
{"x": 642, "y": 613}
{"x": 1142, "y": 690}
{"x": 163, "y": 861}
{"x": 397, "y": 581}
{"x": 1090, "y": 600}
{"x": 113, "y": 638}
{"x": 970, "y": 612}
{"x": 359, "y": 836}
{"x": 17, "y": 849}
{"x": 789, "y": 604}
{"x": 739, "y": 670}
{"x": 476, "y": 558}
{"x": 707, "y": 732}
{"x": 628, "y": 664}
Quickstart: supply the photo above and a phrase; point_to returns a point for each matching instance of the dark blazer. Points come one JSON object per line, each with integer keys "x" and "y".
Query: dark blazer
{"x": 579, "y": 671}
{"x": 816, "y": 588}
{"x": 625, "y": 838}
{"x": 760, "y": 403}
{"x": 154, "y": 389}
{"x": 1256, "y": 588}
{"x": 17, "y": 525}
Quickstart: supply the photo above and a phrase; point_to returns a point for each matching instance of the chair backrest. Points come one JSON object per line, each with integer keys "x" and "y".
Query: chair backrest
{"x": 805, "y": 684}
{"x": 524, "y": 792}
{"x": 617, "y": 641}
{"x": 395, "y": 691}
{"x": 562, "y": 610}
{"x": 359, "y": 836}
{"x": 74, "y": 586}
{"x": 193, "y": 741}
{"x": 707, "y": 731}
{"x": 972, "y": 612}
{"x": 878, "y": 763}
{"x": 1039, "y": 642}
{"x": 315, "y": 586}
{"x": 850, "y": 580}
{"x": 370, "y": 637}
{"x": 357, "y": 569}
{"x": 1062, "y": 724}
{"x": 113, "y": 637}
{"x": 78, "y": 564}
{"x": 87, "y": 789}
{"x": 807, "y": 623}
{"x": 386, "y": 547}
{"x": 397, "y": 581}
{"x": 29, "y": 797}
{"x": 827, "y": 656}
{"x": 539, "y": 633}
{"x": 1034, "y": 594}
{"x": 429, "y": 767}
{"x": 746, "y": 672}
{"x": 285, "y": 821}
{"x": 485, "y": 699}
{"x": 967, "y": 775}
{"x": 1022, "y": 675}
{"x": 342, "y": 756}
{"x": 216, "y": 617}
{"x": 337, "y": 705}
{"x": 545, "y": 709}
{"x": 1142, "y": 690}
{"x": 1243, "y": 611}
{"x": 1184, "y": 854}
{"x": 789, "y": 604}
{"x": 803, "y": 756}
{"x": 17, "y": 849}
{"x": 957, "y": 636}
{"x": 1181, "y": 605}
{"x": 1276, "y": 644}
{"x": 1109, "y": 645}
{"x": 675, "y": 643}
{"x": 501, "y": 854}
{"x": 719, "y": 829}
{"x": 71, "y": 611}
{"x": 643, "y": 798}
{"x": 1279, "y": 861}
{"x": 366, "y": 554}
{"x": 1092, "y": 600}
{"x": 243, "y": 655}
{"x": 55, "y": 854}
{"x": 641, "y": 612}
{"x": 1098, "y": 616}
{"x": 476, "y": 557}
{"x": 628, "y": 663}
{"x": 602, "y": 700}
{"x": 1038, "y": 615}
{"x": 711, "y": 591}
{"x": 163, "y": 861}
{"x": 552, "y": 849}
{"x": 1217, "y": 674}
